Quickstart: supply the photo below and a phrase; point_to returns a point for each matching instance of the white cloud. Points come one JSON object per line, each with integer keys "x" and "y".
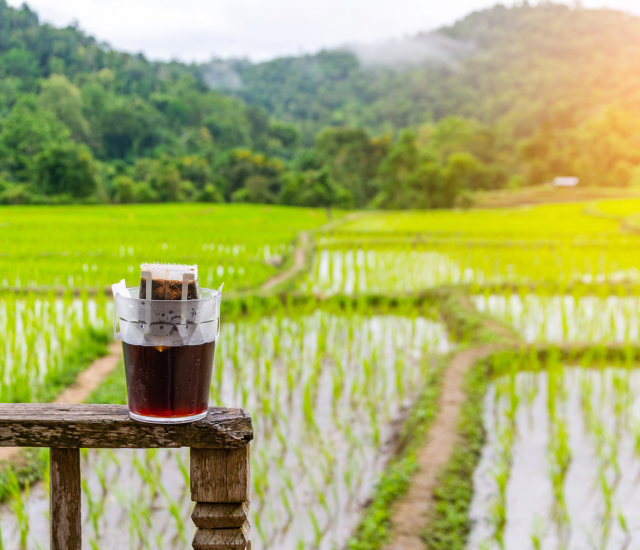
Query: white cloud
{"x": 197, "y": 29}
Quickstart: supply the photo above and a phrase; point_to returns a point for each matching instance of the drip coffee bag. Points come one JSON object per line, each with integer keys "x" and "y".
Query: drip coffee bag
{"x": 169, "y": 282}
{"x": 169, "y": 328}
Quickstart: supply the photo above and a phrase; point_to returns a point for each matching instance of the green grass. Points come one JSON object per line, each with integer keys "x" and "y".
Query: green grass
{"x": 412, "y": 251}
{"x": 95, "y": 246}
{"x": 449, "y": 526}
{"x": 90, "y": 345}
{"x": 620, "y": 207}
{"x": 112, "y": 390}
{"x": 30, "y": 467}
{"x": 373, "y": 531}
{"x": 536, "y": 222}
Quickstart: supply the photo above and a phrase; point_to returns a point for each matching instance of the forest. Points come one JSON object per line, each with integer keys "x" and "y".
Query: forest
{"x": 506, "y": 97}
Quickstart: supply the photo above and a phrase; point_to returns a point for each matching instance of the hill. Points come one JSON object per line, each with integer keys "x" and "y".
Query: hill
{"x": 519, "y": 66}
{"x": 506, "y": 97}
{"x": 80, "y": 120}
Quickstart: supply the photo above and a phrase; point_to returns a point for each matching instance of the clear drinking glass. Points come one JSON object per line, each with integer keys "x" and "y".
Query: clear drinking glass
{"x": 168, "y": 354}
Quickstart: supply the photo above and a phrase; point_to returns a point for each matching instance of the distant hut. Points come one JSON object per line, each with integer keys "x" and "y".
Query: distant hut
{"x": 566, "y": 182}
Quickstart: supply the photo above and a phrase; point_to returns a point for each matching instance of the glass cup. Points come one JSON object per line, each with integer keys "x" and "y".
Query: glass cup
{"x": 168, "y": 354}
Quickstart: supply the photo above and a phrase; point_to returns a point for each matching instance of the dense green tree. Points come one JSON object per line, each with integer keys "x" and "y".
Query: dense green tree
{"x": 434, "y": 175}
{"x": 27, "y": 132}
{"x": 63, "y": 99}
{"x": 352, "y": 159}
{"x": 66, "y": 168}
{"x": 130, "y": 128}
{"x": 336, "y": 127}
{"x": 241, "y": 166}
{"x": 124, "y": 187}
{"x": 313, "y": 188}
{"x": 210, "y": 193}
{"x": 513, "y": 65}
{"x": 21, "y": 63}
{"x": 286, "y": 136}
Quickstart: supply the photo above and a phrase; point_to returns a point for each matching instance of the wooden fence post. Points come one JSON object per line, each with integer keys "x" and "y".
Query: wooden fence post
{"x": 220, "y": 482}
{"x": 65, "y": 495}
{"x": 219, "y": 462}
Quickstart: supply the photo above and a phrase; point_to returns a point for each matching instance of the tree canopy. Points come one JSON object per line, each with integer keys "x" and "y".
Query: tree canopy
{"x": 528, "y": 94}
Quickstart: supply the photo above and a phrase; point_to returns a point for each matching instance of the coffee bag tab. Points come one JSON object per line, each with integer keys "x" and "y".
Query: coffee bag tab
{"x": 169, "y": 282}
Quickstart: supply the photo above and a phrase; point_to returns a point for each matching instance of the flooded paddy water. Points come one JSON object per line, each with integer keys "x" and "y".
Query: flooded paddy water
{"x": 376, "y": 267}
{"x": 326, "y": 391}
{"x": 35, "y": 334}
{"x": 566, "y": 318}
{"x": 561, "y": 465}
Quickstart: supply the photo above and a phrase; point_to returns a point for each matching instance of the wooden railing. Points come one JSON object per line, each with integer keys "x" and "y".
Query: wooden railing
{"x": 220, "y": 473}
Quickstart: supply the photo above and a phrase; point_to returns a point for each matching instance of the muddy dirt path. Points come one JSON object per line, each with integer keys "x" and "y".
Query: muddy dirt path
{"x": 411, "y": 512}
{"x": 86, "y": 383}
{"x": 298, "y": 265}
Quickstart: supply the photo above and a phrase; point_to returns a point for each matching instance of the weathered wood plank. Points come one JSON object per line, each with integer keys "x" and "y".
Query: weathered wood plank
{"x": 66, "y": 520}
{"x": 220, "y": 475}
{"x": 109, "y": 426}
{"x": 220, "y": 516}
{"x": 222, "y": 539}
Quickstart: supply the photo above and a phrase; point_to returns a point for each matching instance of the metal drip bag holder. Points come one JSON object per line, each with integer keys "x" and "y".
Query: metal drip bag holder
{"x": 159, "y": 323}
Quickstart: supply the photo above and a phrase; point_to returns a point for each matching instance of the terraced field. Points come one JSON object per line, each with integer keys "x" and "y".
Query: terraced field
{"x": 345, "y": 368}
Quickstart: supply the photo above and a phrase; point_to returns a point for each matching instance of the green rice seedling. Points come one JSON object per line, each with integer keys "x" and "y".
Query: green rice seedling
{"x": 607, "y": 494}
{"x": 177, "y": 515}
{"x": 500, "y": 475}
{"x": 622, "y": 398}
{"x": 95, "y": 508}
{"x": 19, "y": 505}
{"x": 184, "y": 470}
{"x": 337, "y": 456}
{"x": 309, "y": 411}
{"x": 586, "y": 395}
{"x": 46, "y": 481}
{"x": 241, "y": 256}
{"x": 125, "y": 503}
{"x": 147, "y": 476}
{"x": 101, "y": 473}
{"x": 538, "y": 533}
{"x": 317, "y": 530}
{"x": 559, "y": 459}
{"x": 319, "y": 493}
{"x": 375, "y": 427}
{"x": 498, "y": 507}
{"x": 329, "y": 463}
{"x": 136, "y": 526}
{"x": 262, "y": 534}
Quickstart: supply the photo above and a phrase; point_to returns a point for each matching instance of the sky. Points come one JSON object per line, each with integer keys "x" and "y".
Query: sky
{"x": 197, "y": 30}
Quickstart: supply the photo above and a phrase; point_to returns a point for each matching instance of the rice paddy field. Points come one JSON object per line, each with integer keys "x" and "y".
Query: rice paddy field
{"x": 342, "y": 368}
{"x": 94, "y": 246}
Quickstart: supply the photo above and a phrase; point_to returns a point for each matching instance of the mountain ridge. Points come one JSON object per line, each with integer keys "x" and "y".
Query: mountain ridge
{"x": 503, "y": 98}
{"x": 511, "y": 44}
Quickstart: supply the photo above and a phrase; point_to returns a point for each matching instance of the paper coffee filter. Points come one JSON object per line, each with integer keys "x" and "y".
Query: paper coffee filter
{"x": 170, "y": 272}
{"x": 145, "y": 322}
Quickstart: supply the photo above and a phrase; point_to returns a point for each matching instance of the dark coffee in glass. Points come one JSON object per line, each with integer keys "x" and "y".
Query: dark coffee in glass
{"x": 168, "y": 348}
{"x": 168, "y": 382}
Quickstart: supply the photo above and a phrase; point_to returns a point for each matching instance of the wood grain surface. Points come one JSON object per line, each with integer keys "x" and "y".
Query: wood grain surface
{"x": 109, "y": 426}
{"x": 66, "y": 520}
{"x": 220, "y": 516}
{"x": 220, "y": 475}
{"x": 222, "y": 539}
